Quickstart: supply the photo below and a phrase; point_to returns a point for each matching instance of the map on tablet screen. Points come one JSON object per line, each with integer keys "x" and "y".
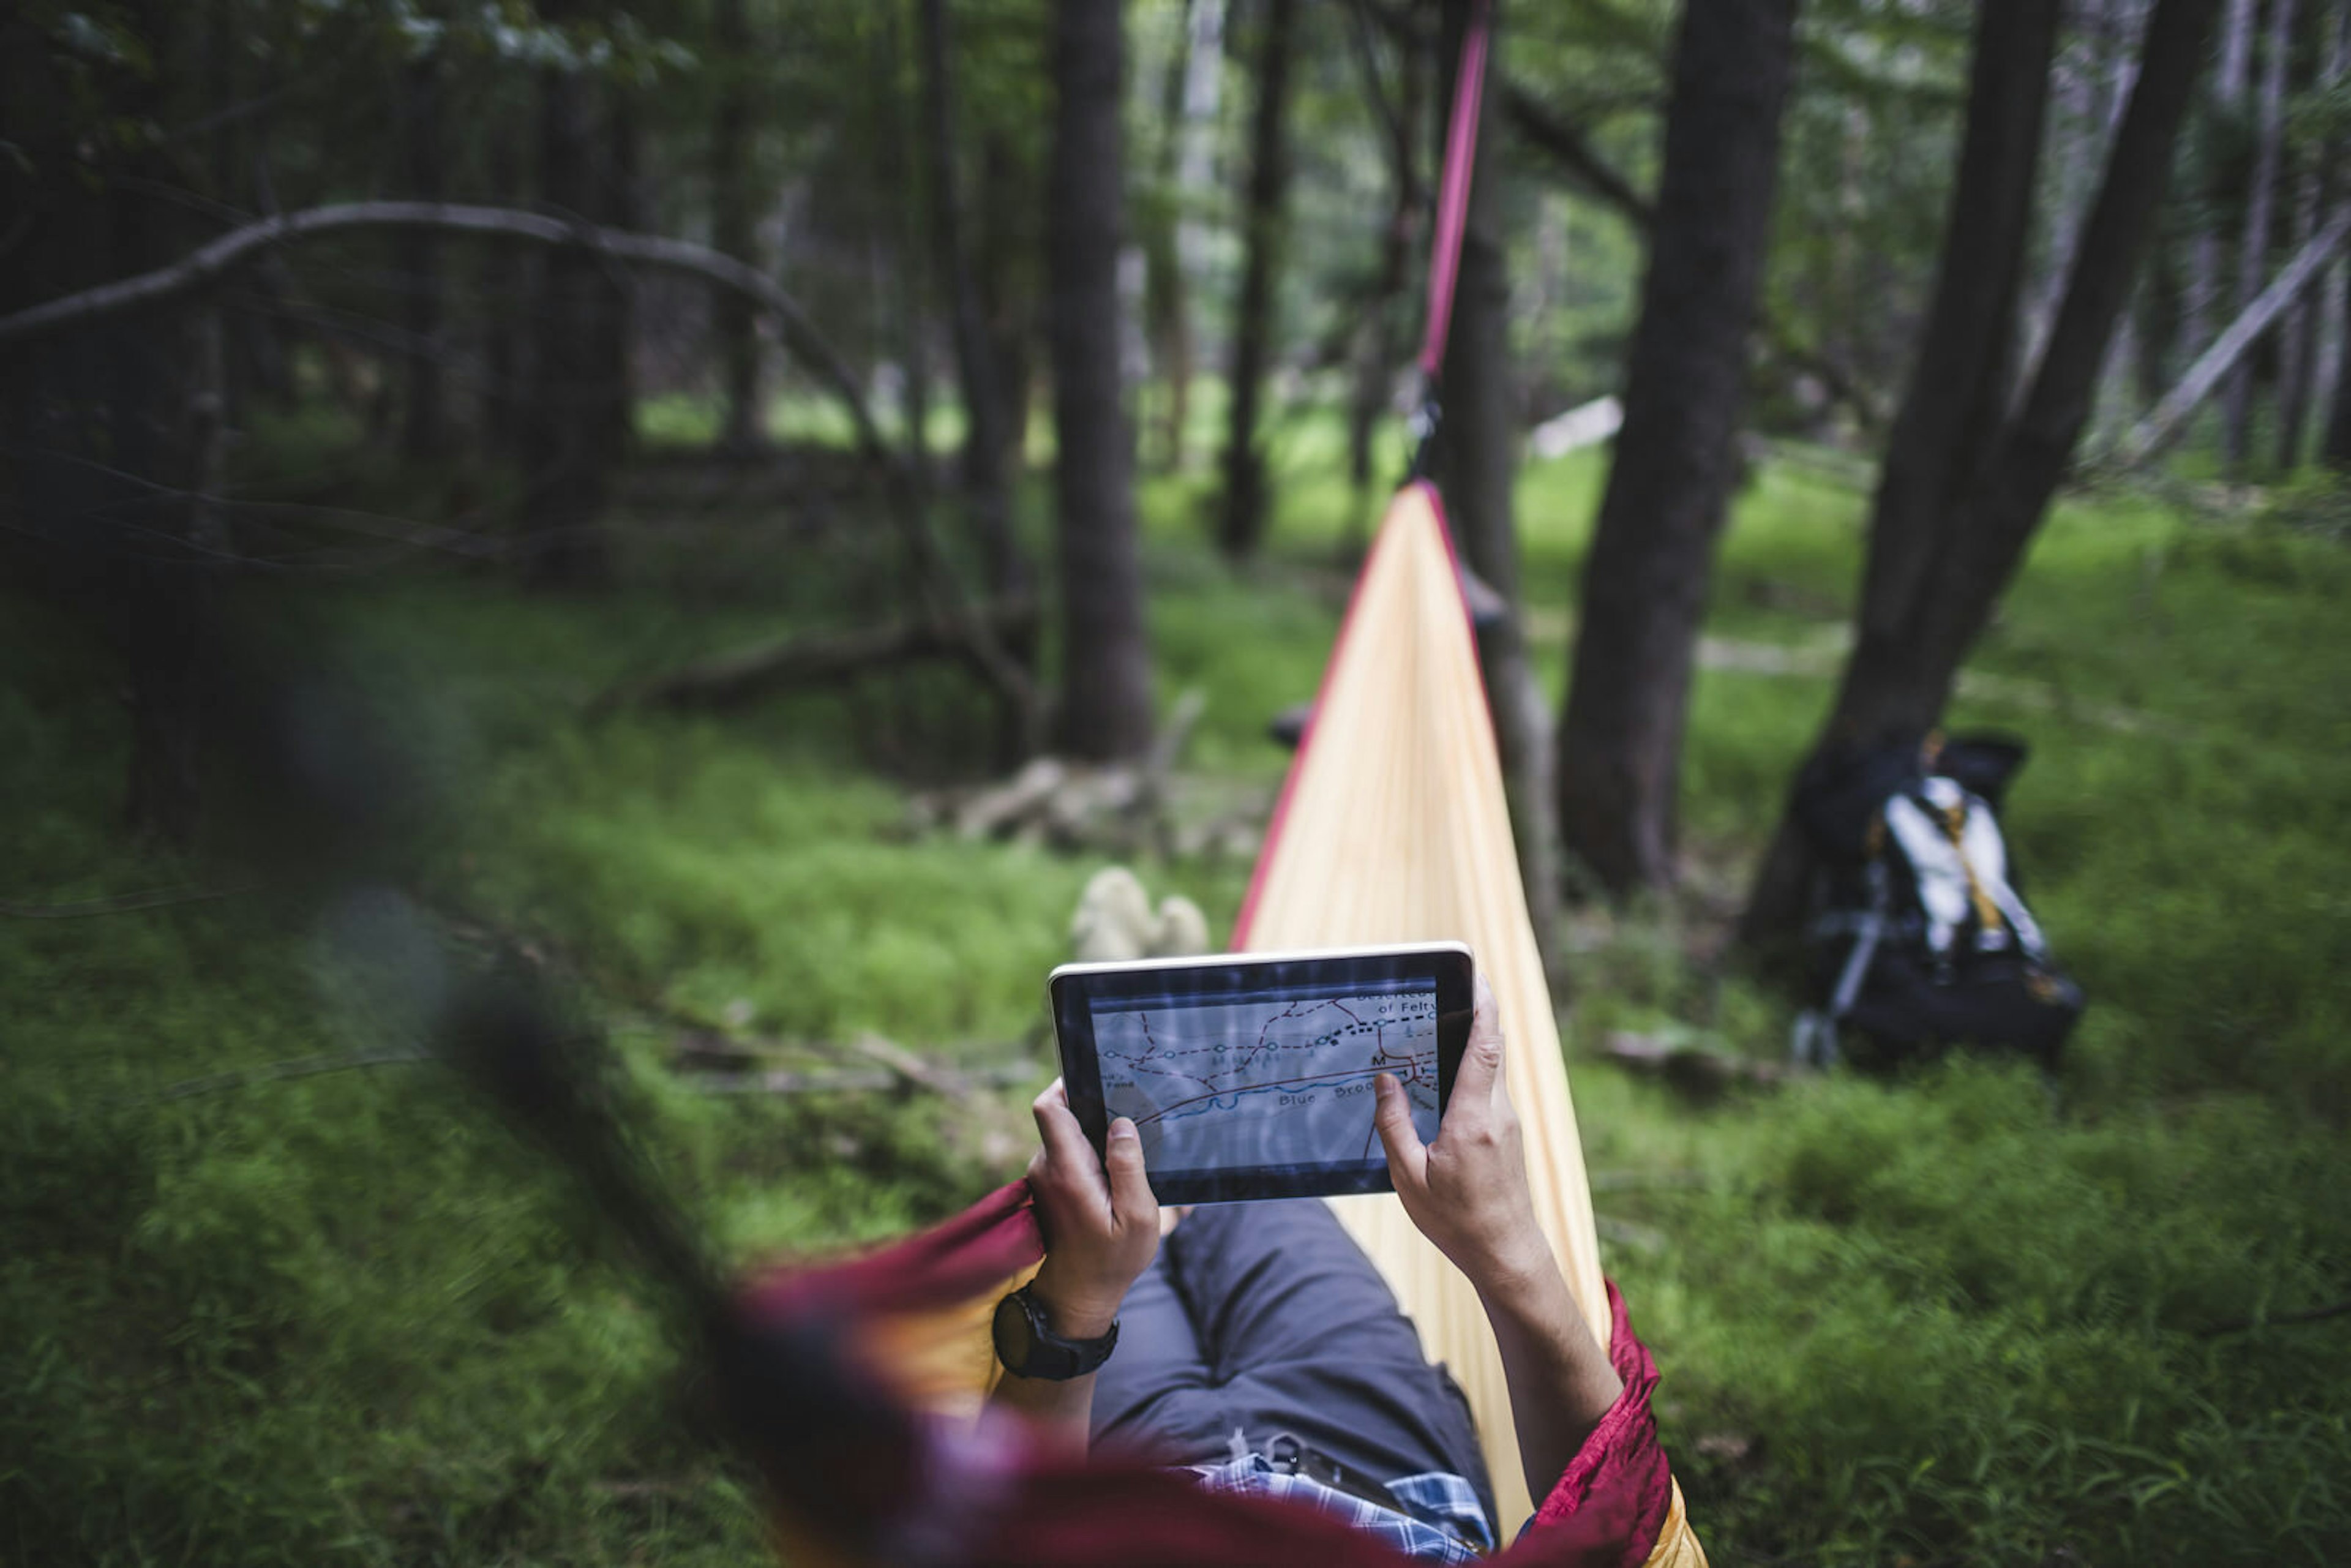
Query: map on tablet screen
{"x": 1266, "y": 1078}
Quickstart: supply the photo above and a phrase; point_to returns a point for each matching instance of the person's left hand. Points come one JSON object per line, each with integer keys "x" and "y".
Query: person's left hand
{"x": 1102, "y": 1224}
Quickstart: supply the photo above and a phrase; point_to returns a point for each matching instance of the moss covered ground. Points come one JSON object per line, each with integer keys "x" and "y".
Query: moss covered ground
{"x": 1961, "y": 1316}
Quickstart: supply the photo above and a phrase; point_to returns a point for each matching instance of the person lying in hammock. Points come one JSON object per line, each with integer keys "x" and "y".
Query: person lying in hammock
{"x": 1260, "y": 1347}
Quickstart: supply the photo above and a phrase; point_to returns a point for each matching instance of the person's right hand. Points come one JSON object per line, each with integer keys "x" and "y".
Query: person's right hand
{"x": 1467, "y": 1191}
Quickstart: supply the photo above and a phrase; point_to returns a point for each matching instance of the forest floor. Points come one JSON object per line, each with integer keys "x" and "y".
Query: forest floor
{"x": 1964, "y": 1316}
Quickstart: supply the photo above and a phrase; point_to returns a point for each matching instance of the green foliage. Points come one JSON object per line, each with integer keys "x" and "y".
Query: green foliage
{"x": 1962, "y": 1316}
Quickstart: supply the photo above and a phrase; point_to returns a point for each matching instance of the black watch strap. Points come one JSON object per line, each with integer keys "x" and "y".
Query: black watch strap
{"x": 1028, "y": 1346}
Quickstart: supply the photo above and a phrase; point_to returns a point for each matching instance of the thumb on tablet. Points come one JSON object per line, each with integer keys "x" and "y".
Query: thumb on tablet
{"x": 1408, "y": 1155}
{"x": 1130, "y": 1184}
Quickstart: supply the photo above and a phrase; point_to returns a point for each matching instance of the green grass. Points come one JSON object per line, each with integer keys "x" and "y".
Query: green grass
{"x": 1964, "y": 1316}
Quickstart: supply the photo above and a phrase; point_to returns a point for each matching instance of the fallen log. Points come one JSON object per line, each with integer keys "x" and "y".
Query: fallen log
{"x": 2164, "y": 422}
{"x": 823, "y": 658}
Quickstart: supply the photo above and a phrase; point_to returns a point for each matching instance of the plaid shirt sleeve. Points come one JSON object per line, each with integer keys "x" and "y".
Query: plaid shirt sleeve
{"x": 1436, "y": 1517}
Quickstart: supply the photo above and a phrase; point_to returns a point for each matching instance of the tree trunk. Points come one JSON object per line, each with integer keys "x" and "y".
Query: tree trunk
{"x": 619, "y": 204}
{"x": 1241, "y": 524}
{"x": 1379, "y": 343}
{"x": 1105, "y": 657}
{"x": 1645, "y": 585}
{"x": 2225, "y": 104}
{"x": 2254, "y": 248}
{"x": 563, "y": 438}
{"x": 1165, "y": 305}
{"x": 1930, "y": 588}
{"x": 1476, "y": 466}
{"x": 896, "y": 167}
{"x": 1203, "y": 81}
{"x": 505, "y": 274}
{"x": 985, "y": 490}
{"x": 417, "y": 260}
{"x": 733, "y": 230}
{"x": 1004, "y": 251}
{"x": 101, "y": 501}
{"x": 2302, "y": 334}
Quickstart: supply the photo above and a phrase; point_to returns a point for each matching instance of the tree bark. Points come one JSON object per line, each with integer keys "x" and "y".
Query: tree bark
{"x": 1475, "y": 466}
{"x": 417, "y": 261}
{"x": 1958, "y": 385}
{"x": 1241, "y": 523}
{"x": 1918, "y": 624}
{"x": 2254, "y": 247}
{"x": 1645, "y": 585}
{"x": 734, "y": 327}
{"x": 984, "y": 483}
{"x": 1105, "y": 656}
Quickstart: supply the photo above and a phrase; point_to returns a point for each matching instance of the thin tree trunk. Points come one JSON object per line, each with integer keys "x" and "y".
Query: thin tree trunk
{"x": 896, "y": 168}
{"x": 1003, "y": 253}
{"x": 1645, "y": 585}
{"x": 1105, "y": 656}
{"x": 1919, "y": 621}
{"x": 1163, "y": 302}
{"x": 504, "y": 276}
{"x": 984, "y": 485}
{"x": 734, "y": 327}
{"x": 417, "y": 263}
{"x": 1476, "y": 464}
{"x": 563, "y": 444}
{"x": 1241, "y": 524}
{"x": 2224, "y": 104}
{"x": 2254, "y": 248}
{"x": 1379, "y": 344}
{"x": 1204, "y": 80}
{"x": 620, "y": 201}
{"x": 2307, "y": 326}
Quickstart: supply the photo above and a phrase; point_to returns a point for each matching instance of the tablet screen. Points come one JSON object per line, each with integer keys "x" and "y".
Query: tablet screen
{"x": 1255, "y": 1079}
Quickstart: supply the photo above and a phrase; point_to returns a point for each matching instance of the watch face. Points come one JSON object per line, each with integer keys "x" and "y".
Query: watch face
{"x": 1016, "y": 1341}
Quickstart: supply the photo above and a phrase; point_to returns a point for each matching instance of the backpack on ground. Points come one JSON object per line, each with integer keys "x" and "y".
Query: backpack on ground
{"x": 1918, "y": 937}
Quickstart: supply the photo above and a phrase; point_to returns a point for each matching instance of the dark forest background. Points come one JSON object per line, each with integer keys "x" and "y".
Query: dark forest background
{"x": 741, "y": 507}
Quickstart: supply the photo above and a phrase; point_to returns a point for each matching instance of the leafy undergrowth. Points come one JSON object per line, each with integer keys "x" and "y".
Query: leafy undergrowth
{"x": 1964, "y": 1316}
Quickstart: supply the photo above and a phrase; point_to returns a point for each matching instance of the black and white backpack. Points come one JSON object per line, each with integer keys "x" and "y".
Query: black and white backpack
{"x": 1918, "y": 937}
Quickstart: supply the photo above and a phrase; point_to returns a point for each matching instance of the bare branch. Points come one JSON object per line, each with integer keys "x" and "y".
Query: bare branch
{"x": 1565, "y": 144}
{"x": 206, "y": 267}
{"x": 300, "y": 1067}
{"x": 2163, "y": 423}
{"x": 159, "y": 899}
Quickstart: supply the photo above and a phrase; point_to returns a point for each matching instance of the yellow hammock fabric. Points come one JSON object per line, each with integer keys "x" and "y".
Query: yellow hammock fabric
{"x": 1393, "y": 826}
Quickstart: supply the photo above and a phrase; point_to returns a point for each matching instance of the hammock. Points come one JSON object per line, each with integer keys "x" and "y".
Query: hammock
{"x": 1391, "y": 827}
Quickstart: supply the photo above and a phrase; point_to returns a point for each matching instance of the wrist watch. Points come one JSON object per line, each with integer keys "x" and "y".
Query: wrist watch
{"x": 1028, "y": 1346}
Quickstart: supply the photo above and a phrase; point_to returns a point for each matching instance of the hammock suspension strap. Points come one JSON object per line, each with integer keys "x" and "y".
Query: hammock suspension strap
{"x": 1452, "y": 223}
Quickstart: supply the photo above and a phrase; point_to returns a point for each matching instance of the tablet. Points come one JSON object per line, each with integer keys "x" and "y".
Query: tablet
{"x": 1250, "y": 1075}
